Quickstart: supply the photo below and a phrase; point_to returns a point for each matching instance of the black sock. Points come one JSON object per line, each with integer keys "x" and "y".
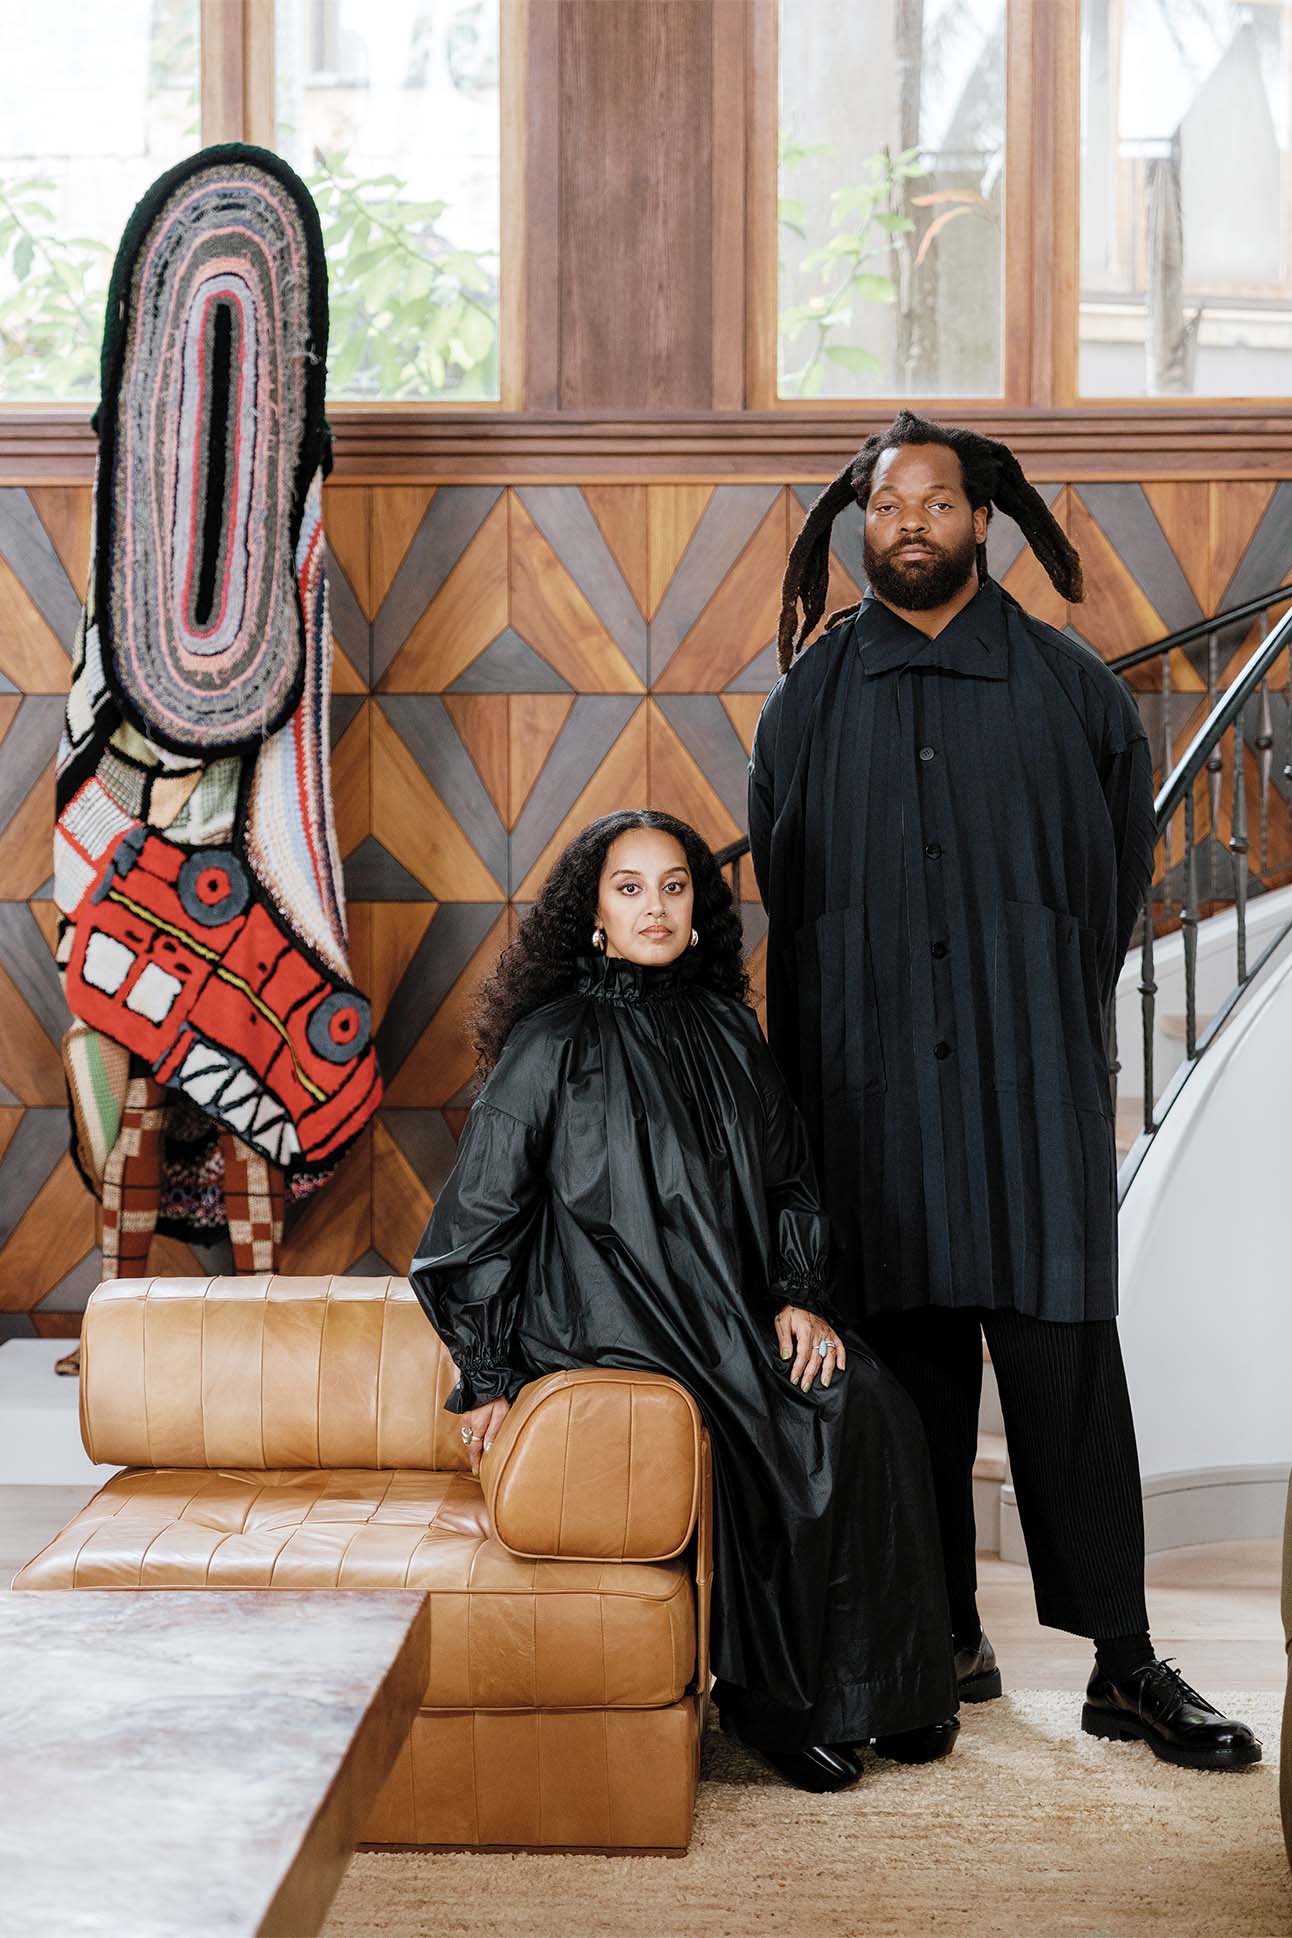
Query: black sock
{"x": 1119, "y": 1655}
{"x": 966, "y": 1628}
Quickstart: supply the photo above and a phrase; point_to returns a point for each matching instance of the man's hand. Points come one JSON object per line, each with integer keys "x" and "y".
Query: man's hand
{"x": 800, "y": 1335}
{"x": 484, "y": 1422}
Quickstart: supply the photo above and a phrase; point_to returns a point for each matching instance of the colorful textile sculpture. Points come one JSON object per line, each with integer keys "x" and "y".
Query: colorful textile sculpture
{"x": 219, "y": 1058}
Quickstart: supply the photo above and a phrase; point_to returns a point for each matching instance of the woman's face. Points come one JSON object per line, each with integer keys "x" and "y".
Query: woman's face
{"x": 645, "y": 897}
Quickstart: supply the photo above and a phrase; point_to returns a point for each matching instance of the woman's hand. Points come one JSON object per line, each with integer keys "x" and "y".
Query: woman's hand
{"x": 800, "y": 1336}
{"x": 482, "y": 1424}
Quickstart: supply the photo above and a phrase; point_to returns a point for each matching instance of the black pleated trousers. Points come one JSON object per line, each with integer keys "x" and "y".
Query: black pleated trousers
{"x": 1072, "y": 1454}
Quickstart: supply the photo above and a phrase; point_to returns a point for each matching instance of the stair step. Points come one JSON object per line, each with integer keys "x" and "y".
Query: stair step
{"x": 1130, "y": 1122}
{"x": 1176, "y": 1027}
{"x": 990, "y": 1463}
{"x": 988, "y": 1479}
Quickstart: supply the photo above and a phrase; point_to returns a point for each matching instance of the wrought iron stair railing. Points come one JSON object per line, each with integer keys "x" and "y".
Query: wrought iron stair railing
{"x": 1200, "y": 771}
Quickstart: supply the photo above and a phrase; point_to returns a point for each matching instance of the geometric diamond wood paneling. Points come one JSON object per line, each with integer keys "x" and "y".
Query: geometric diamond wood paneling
{"x": 511, "y": 661}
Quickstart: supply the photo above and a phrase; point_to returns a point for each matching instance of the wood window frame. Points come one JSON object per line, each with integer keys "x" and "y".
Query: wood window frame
{"x": 1041, "y": 82}
{"x": 748, "y": 434}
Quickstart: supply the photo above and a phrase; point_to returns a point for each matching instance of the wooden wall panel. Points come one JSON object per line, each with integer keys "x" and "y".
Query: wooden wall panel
{"x": 636, "y": 232}
{"x": 519, "y": 658}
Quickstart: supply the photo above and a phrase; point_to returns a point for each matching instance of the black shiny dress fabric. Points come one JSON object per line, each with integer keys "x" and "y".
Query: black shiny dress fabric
{"x": 953, "y": 837}
{"x": 633, "y": 1188}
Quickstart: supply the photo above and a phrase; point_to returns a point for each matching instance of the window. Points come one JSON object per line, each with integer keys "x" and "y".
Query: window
{"x": 391, "y": 114}
{"x": 95, "y": 103}
{"x": 1186, "y": 198}
{"x": 892, "y": 154}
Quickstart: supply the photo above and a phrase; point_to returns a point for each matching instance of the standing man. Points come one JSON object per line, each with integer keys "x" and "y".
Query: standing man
{"x": 951, "y": 822}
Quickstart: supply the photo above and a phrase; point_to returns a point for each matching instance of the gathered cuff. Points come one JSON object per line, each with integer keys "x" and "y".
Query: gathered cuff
{"x": 479, "y": 1382}
{"x": 806, "y": 1286}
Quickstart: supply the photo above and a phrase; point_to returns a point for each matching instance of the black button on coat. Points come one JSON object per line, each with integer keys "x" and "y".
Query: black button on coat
{"x": 958, "y": 1104}
{"x": 633, "y": 1188}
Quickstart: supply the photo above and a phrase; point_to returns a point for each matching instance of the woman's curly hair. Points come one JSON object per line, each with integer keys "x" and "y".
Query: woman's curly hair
{"x": 541, "y": 963}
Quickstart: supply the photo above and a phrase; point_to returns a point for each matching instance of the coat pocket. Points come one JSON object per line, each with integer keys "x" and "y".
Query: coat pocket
{"x": 840, "y": 1047}
{"x": 1047, "y": 1023}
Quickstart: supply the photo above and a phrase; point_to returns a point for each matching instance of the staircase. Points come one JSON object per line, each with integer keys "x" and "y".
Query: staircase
{"x": 989, "y": 1469}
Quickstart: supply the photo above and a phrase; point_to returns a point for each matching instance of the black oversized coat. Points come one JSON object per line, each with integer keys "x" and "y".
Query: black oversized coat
{"x": 633, "y": 1188}
{"x": 952, "y": 838}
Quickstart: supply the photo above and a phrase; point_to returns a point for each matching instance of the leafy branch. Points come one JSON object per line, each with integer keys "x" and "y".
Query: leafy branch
{"x": 412, "y": 316}
{"x": 870, "y": 228}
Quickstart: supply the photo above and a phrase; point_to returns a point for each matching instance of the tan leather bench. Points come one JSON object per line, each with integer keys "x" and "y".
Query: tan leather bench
{"x": 290, "y": 1433}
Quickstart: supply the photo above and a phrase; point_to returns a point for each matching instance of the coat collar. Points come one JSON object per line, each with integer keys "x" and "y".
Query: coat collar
{"x": 975, "y": 642}
{"x": 616, "y": 980}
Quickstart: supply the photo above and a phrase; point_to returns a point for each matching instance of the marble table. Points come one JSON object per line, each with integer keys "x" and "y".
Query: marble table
{"x": 194, "y": 1765}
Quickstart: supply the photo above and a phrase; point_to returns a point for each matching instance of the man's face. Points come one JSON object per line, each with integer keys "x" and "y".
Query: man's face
{"x": 921, "y": 534}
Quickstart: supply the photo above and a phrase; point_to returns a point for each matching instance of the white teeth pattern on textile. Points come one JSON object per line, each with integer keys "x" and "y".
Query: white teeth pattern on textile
{"x": 228, "y": 1091}
{"x": 243, "y": 1085}
{"x": 239, "y": 1117}
{"x": 203, "y": 1073}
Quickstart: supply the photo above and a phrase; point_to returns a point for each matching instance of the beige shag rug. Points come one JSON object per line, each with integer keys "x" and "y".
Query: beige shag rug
{"x": 1029, "y": 1827}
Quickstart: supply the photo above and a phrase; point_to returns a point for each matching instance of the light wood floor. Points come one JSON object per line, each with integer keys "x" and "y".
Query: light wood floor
{"x": 1216, "y": 1609}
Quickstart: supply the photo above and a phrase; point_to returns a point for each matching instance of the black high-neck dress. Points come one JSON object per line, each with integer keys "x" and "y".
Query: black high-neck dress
{"x": 633, "y": 1188}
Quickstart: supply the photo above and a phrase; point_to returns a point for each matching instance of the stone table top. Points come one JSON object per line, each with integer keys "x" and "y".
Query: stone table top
{"x": 194, "y": 1765}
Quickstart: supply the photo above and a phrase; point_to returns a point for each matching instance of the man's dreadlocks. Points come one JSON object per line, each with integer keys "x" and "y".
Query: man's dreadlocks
{"x": 993, "y": 476}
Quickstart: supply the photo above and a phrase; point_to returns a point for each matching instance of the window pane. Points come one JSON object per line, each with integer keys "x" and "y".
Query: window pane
{"x": 1186, "y": 198}
{"x": 391, "y": 114}
{"x": 95, "y": 103}
{"x": 892, "y": 150}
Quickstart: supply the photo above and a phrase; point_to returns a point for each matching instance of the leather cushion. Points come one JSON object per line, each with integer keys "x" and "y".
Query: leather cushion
{"x": 265, "y": 1371}
{"x": 597, "y": 1465}
{"x": 584, "y": 1779}
{"x": 506, "y": 1632}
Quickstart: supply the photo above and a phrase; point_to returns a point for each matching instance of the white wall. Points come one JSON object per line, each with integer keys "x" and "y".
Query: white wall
{"x": 1206, "y": 1249}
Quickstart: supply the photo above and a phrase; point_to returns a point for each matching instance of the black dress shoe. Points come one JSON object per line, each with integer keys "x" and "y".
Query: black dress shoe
{"x": 1155, "y": 1705}
{"x": 920, "y": 1745}
{"x": 819, "y": 1768}
{"x": 977, "y": 1676}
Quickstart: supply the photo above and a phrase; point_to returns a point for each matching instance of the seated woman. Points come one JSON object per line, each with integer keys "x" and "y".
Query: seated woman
{"x": 633, "y": 1188}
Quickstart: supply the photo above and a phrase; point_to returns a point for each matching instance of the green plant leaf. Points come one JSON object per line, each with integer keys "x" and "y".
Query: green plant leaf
{"x": 872, "y": 288}
{"x": 852, "y": 357}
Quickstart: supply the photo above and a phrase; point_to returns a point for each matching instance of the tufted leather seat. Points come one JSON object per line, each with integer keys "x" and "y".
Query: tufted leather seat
{"x": 569, "y": 1585}
{"x": 506, "y": 1632}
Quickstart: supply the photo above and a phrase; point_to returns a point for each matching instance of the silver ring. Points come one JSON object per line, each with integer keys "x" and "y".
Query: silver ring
{"x": 824, "y": 1348}
{"x": 467, "y": 1435}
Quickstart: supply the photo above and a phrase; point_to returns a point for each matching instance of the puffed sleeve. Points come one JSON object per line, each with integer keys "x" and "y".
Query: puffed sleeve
{"x": 801, "y": 1269}
{"x": 470, "y": 1265}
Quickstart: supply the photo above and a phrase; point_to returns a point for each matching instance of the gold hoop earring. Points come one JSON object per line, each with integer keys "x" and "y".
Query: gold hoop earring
{"x": 695, "y": 938}
{"x": 599, "y": 939}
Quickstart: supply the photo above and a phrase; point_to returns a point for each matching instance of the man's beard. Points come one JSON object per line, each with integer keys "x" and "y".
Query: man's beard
{"x": 919, "y": 585}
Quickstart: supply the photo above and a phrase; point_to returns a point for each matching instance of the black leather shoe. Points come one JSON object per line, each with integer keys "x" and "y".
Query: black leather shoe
{"x": 920, "y": 1745}
{"x": 977, "y": 1676}
{"x": 1155, "y": 1705}
{"x": 818, "y": 1768}
{"x": 821, "y": 1767}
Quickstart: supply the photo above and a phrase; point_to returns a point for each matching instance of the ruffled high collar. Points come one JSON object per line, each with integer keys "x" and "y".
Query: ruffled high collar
{"x": 613, "y": 979}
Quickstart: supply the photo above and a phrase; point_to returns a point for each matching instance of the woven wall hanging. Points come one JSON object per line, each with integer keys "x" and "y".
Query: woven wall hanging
{"x": 219, "y": 1058}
